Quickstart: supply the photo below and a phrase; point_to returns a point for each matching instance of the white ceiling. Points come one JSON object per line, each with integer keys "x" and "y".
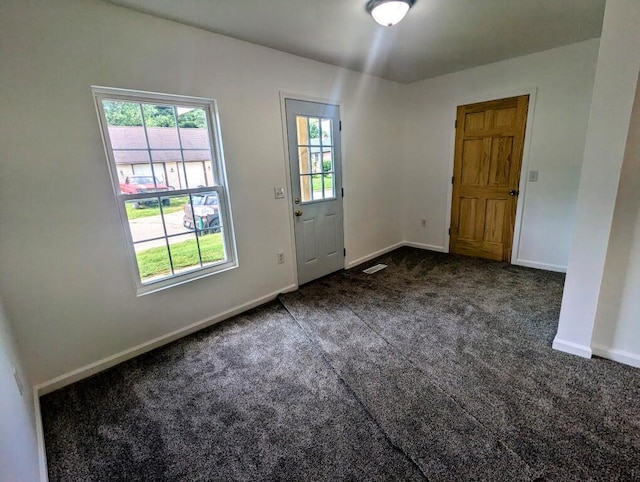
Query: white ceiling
{"x": 436, "y": 37}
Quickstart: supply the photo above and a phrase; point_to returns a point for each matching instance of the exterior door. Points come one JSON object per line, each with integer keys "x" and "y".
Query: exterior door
{"x": 488, "y": 157}
{"x": 313, "y": 133}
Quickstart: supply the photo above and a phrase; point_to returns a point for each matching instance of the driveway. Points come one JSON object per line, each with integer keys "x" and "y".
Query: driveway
{"x": 151, "y": 227}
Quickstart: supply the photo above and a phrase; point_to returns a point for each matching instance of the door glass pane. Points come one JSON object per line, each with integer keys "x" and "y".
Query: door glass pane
{"x": 314, "y": 131}
{"x": 316, "y": 180}
{"x": 303, "y": 160}
{"x": 327, "y": 159}
{"x": 316, "y": 159}
{"x": 326, "y": 131}
{"x": 329, "y": 186}
{"x": 302, "y": 130}
{"x": 305, "y": 188}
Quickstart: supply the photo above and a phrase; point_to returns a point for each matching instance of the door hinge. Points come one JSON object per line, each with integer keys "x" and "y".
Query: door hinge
{"x": 340, "y": 125}
{"x": 449, "y": 231}
{"x": 344, "y": 251}
{"x": 455, "y": 124}
{"x": 342, "y": 192}
{"x": 452, "y": 179}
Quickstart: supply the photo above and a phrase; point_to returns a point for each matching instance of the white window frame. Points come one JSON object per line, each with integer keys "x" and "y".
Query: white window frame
{"x": 215, "y": 141}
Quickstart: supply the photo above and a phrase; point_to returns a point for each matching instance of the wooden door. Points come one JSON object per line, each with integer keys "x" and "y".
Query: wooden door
{"x": 313, "y": 132}
{"x": 488, "y": 157}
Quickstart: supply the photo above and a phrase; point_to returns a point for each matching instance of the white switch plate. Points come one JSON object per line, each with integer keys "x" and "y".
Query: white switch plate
{"x": 280, "y": 257}
{"x": 279, "y": 191}
{"x": 533, "y": 176}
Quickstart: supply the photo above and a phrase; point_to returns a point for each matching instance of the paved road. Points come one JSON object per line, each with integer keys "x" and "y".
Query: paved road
{"x": 151, "y": 227}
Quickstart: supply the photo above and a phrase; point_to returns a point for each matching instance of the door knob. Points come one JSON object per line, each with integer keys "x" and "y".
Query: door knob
{"x": 513, "y": 192}
{"x": 298, "y": 212}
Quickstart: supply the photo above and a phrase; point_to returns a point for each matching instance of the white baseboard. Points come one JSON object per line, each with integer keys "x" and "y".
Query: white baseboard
{"x": 388, "y": 249}
{"x": 110, "y": 361}
{"x": 572, "y": 348}
{"x": 546, "y": 266}
{"x": 428, "y": 247}
{"x": 619, "y": 356}
{"x": 369, "y": 257}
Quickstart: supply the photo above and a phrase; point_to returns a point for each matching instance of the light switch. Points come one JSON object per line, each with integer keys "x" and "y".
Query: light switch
{"x": 533, "y": 176}
{"x": 279, "y": 192}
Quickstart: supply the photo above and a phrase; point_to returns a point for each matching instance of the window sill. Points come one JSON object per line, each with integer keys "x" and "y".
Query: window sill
{"x": 178, "y": 280}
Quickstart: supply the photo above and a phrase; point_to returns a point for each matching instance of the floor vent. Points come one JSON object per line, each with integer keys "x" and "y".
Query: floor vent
{"x": 375, "y": 268}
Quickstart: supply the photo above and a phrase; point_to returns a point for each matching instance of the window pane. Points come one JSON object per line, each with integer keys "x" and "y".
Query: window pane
{"x": 124, "y": 121}
{"x": 303, "y": 160}
{"x": 153, "y": 260}
{"x": 326, "y": 125}
{"x": 196, "y": 171}
{"x": 146, "y": 217}
{"x": 161, "y": 126}
{"x": 192, "y": 122}
{"x": 305, "y": 188}
{"x": 202, "y": 213}
{"x": 212, "y": 249}
{"x": 185, "y": 253}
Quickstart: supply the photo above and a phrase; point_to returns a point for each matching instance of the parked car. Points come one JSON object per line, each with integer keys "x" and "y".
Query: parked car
{"x": 138, "y": 184}
{"x": 205, "y": 215}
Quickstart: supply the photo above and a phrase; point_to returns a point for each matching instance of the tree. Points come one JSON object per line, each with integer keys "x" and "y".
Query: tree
{"x": 193, "y": 119}
{"x": 130, "y": 114}
{"x": 122, "y": 113}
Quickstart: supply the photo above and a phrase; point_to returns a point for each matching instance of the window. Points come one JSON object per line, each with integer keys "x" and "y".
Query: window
{"x": 167, "y": 168}
{"x": 315, "y": 156}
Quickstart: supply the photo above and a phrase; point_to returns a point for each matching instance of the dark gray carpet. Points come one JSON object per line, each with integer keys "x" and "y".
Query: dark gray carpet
{"x": 437, "y": 368}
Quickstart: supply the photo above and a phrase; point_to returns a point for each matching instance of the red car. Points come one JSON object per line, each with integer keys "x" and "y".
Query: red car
{"x": 143, "y": 183}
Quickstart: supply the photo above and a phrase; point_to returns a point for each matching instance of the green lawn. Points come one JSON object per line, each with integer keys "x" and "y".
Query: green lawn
{"x": 154, "y": 209}
{"x": 155, "y": 261}
{"x": 317, "y": 182}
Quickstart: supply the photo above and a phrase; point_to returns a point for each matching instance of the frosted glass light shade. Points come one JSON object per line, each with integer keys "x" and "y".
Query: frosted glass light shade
{"x": 389, "y": 13}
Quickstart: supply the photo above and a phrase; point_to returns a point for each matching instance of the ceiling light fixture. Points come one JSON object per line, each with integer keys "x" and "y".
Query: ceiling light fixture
{"x": 389, "y": 12}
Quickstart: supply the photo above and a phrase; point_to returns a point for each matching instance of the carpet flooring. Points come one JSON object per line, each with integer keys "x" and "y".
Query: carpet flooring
{"x": 437, "y": 368}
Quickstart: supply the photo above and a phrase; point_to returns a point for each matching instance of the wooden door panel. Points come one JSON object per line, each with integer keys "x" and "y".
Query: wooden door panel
{"x": 474, "y": 121}
{"x": 473, "y": 157}
{"x": 494, "y": 220}
{"x": 467, "y": 220}
{"x": 488, "y": 157}
{"x": 500, "y": 161}
{"x": 504, "y": 117}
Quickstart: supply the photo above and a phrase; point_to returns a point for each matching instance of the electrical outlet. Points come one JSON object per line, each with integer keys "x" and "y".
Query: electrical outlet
{"x": 423, "y": 223}
{"x": 279, "y": 192}
{"x": 280, "y": 257}
{"x": 533, "y": 176}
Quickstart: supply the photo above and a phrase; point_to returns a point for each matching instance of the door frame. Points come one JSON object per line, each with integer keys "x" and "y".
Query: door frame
{"x": 288, "y": 197}
{"x": 524, "y": 168}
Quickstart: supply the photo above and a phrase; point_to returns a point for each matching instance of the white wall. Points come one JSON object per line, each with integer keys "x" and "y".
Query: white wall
{"x": 613, "y": 98}
{"x": 617, "y": 328}
{"x": 564, "y": 80}
{"x": 18, "y": 446}
{"x": 66, "y": 280}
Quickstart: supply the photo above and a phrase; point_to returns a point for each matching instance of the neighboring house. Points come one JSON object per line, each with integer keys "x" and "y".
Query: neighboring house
{"x": 163, "y": 155}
